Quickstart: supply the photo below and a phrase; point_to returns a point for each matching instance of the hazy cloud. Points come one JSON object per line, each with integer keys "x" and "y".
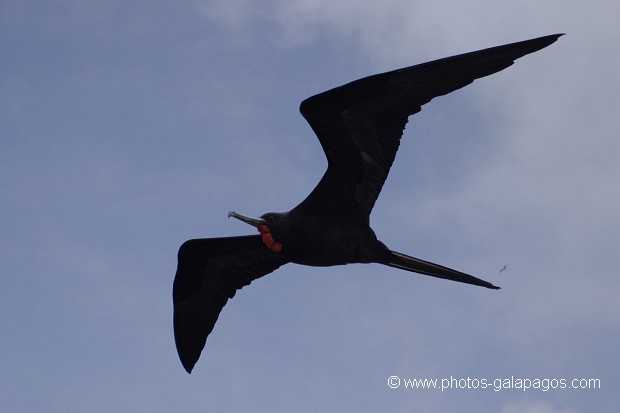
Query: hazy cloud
{"x": 130, "y": 127}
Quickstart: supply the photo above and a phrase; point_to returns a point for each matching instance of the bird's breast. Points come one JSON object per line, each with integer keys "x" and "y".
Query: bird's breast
{"x": 330, "y": 246}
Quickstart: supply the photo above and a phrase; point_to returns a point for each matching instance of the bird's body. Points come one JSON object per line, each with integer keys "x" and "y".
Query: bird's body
{"x": 359, "y": 126}
{"x": 306, "y": 240}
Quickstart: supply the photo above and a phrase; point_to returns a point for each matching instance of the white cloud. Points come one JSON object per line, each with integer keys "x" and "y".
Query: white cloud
{"x": 390, "y": 28}
{"x": 533, "y": 406}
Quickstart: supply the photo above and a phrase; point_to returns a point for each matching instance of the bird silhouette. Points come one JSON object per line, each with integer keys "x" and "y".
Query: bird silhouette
{"x": 359, "y": 126}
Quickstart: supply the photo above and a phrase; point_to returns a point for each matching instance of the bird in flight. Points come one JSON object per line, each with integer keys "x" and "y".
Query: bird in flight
{"x": 359, "y": 126}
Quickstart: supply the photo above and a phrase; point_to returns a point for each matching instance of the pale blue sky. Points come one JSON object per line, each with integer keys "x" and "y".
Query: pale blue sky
{"x": 128, "y": 127}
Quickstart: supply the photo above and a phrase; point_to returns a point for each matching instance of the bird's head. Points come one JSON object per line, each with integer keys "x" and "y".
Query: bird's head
{"x": 269, "y": 225}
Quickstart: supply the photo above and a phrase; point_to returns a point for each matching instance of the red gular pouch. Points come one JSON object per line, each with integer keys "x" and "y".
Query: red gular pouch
{"x": 271, "y": 243}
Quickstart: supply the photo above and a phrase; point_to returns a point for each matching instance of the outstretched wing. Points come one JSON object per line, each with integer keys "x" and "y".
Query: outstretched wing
{"x": 209, "y": 272}
{"x": 360, "y": 124}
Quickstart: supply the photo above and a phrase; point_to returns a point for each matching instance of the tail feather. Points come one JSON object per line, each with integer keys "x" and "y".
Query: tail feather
{"x": 405, "y": 262}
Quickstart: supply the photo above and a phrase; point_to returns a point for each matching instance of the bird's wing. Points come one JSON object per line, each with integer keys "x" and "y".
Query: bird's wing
{"x": 209, "y": 272}
{"x": 360, "y": 124}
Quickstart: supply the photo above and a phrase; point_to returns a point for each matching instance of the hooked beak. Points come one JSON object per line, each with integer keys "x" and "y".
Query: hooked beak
{"x": 255, "y": 222}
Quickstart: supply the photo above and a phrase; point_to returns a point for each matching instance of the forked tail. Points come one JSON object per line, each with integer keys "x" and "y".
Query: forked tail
{"x": 405, "y": 262}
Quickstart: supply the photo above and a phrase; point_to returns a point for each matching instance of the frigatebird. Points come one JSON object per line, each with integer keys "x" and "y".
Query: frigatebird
{"x": 359, "y": 126}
